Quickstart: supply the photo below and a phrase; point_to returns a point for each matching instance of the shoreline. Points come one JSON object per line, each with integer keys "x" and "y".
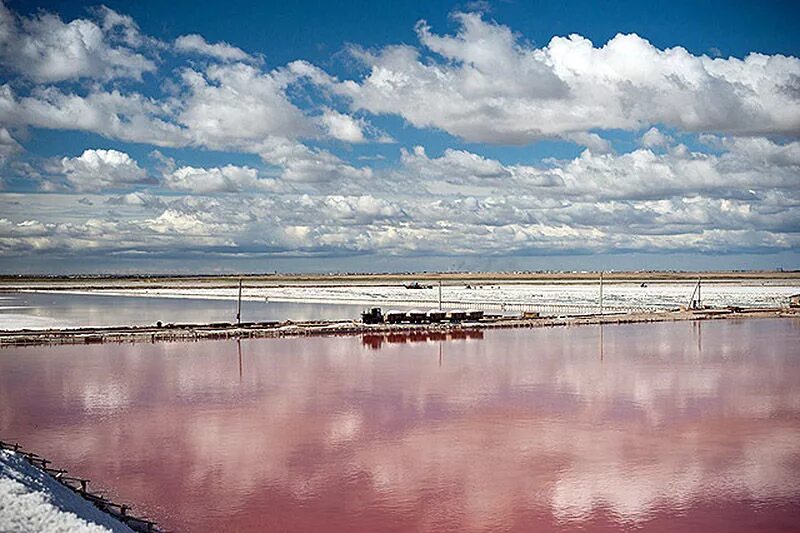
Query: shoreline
{"x": 215, "y": 331}
{"x": 28, "y": 282}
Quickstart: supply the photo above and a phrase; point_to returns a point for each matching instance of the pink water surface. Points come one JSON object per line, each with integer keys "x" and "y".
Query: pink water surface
{"x": 661, "y": 427}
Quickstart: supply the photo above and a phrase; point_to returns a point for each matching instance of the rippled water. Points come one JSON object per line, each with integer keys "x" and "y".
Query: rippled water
{"x": 670, "y": 426}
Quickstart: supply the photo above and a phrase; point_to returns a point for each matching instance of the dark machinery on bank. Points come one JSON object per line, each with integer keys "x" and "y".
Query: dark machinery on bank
{"x": 435, "y": 316}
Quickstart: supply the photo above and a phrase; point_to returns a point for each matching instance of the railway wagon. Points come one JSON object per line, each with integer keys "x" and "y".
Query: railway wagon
{"x": 395, "y": 317}
{"x": 436, "y": 316}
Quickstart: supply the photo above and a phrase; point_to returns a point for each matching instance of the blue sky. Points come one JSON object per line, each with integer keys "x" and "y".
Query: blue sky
{"x": 313, "y": 136}
{"x": 315, "y": 31}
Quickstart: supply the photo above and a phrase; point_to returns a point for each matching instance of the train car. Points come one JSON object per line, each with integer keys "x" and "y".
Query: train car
{"x": 372, "y": 316}
{"x": 395, "y": 317}
{"x": 457, "y": 315}
{"x": 474, "y": 314}
{"x": 417, "y": 317}
{"x": 436, "y": 315}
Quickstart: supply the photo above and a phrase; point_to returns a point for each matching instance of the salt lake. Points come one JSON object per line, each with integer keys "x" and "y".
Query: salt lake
{"x": 665, "y": 426}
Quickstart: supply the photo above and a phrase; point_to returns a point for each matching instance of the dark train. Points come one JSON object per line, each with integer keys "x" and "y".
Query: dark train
{"x": 376, "y": 316}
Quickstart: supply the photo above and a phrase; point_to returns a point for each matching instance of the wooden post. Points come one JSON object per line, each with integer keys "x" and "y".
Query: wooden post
{"x": 239, "y": 305}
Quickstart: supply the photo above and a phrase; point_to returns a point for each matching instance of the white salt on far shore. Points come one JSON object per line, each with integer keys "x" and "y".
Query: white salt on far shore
{"x": 13, "y": 321}
{"x": 32, "y": 501}
{"x": 657, "y": 295}
{"x": 618, "y": 296}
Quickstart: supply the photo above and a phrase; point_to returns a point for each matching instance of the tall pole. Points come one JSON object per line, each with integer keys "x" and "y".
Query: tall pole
{"x": 694, "y": 302}
{"x": 601, "y": 292}
{"x": 239, "y": 304}
{"x": 699, "y": 300}
{"x": 440, "y": 295}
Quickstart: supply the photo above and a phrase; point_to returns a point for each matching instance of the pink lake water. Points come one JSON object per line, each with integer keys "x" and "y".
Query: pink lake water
{"x": 658, "y": 427}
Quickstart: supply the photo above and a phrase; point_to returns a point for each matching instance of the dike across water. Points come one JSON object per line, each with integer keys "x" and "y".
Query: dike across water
{"x": 250, "y": 330}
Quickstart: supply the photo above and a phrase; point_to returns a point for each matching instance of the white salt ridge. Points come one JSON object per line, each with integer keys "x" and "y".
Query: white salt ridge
{"x": 564, "y": 297}
{"x": 13, "y": 321}
{"x": 655, "y": 295}
{"x": 32, "y": 501}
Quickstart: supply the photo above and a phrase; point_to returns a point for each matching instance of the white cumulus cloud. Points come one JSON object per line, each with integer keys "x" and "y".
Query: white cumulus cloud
{"x": 653, "y": 138}
{"x": 112, "y": 114}
{"x": 230, "y": 178}
{"x": 303, "y": 164}
{"x": 237, "y": 105}
{"x": 101, "y": 169}
{"x": 343, "y": 127}
{"x": 46, "y": 49}
{"x": 8, "y": 145}
{"x": 196, "y": 44}
{"x": 484, "y": 84}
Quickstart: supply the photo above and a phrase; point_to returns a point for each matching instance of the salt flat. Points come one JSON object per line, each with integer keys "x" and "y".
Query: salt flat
{"x": 633, "y": 294}
{"x": 32, "y": 501}
{"x": 97, "y": 303}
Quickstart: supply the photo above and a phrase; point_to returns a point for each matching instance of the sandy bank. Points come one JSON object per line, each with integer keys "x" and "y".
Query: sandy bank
{"x": 192, "y": 332}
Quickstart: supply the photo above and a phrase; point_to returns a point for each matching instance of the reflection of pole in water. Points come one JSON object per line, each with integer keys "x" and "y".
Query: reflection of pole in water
{"x": 601, "y": 341}
{"x": 699, "y": 336}
{"x": 239, "y": 350}
{"x": 698, "y": 326}
{"x": 440, "y": 354}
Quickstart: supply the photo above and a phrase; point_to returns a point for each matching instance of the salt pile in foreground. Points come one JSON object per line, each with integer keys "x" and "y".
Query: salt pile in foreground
{"x": 32, "y": 501}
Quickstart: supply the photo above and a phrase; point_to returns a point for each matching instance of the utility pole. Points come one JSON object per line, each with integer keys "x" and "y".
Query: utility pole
{"x": 699, "y": 300}
{"x": 601, "y": 292}
{"x": 694, "y": 302}
{"x": 440, "y": 294}
{"x": 239, "y": 304}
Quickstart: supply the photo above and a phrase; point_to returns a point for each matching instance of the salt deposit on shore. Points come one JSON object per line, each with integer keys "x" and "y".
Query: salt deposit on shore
{"x": 20, "y": 321}
{"x": 32, "y": 501}
{"x": 640, "y": 295}
{"x": 549, "y": 298}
